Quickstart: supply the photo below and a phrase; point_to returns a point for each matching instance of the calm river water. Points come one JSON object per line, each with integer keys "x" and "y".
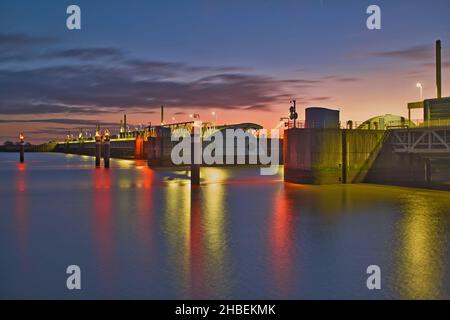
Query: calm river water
{"x": 136, "y": 232}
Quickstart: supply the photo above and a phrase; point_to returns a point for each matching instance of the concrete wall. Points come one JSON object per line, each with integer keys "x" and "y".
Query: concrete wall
{"x": 158, "y": 151}
{"x": 327, "y": 156}
{"x": 396, "y": 168}
{"x": 362, "y": 148}
{"x": 119, "y": 149}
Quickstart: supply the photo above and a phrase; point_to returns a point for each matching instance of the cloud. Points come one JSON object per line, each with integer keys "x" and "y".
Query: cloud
{"x": 341, "y": 78}
{"x": 11, "y": 107}
{"x": 416, "y": 53}
{"x": 20, "y": 40}
{"x": 175, "y": 69}
{"x": 260, "y": 107}
{"x": 319, "y": 98}
{"x": 101, "y": 80}
{"x": 86, "y": 53}
{"x": 21, "y": 47}
{"x": 68, "y": 121}
{"x": 445, "y": 65}
{"x": 88, "y": 88}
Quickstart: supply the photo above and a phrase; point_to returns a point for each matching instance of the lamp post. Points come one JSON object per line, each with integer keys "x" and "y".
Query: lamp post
{"x": 214, "y": 114}
{"x": 419, "y": 85}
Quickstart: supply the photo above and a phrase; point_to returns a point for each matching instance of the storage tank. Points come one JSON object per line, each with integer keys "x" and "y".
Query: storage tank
{"x": 316, "y": 117}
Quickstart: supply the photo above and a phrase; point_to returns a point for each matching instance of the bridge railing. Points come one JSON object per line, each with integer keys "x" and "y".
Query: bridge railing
{"x": 422, "y": 140}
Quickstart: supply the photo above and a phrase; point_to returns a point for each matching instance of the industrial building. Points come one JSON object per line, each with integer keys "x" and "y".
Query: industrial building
{"x": 436, "y": 112}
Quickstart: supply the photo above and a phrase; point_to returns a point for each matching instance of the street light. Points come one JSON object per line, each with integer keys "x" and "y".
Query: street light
{"x": 419, "y": 85}
{"x": 214, "y": 114}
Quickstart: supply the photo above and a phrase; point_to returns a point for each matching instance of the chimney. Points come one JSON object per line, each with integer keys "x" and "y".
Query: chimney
{"x": 162, "y": 115}
{"x": 438, "y": 69}
{"x": 125, "y": 122}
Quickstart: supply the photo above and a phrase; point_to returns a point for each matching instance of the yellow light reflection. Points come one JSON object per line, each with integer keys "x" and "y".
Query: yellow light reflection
{"x": 177, "y": 228}
{"x": 124, "y": 164}
{"x": 214, "y": 176}
{"x": 215, "y": 233}
{"x": 420, "y": 269}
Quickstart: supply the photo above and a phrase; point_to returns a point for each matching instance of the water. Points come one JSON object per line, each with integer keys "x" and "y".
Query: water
{"x": 142, "y": 233}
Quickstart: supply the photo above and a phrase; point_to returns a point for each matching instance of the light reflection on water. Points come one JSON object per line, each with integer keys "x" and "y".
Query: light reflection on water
{"x": 143, "y": 233}
{"x": 422, "y": 250}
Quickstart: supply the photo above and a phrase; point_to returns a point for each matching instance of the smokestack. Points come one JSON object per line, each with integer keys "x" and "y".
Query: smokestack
{"x": 438, "y": 69}
{"x": 162, "y": 115}
{"x": 125, "y": 122}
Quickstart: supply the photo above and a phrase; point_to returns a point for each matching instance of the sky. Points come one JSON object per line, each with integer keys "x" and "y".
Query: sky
{"x": 244, "y": 60}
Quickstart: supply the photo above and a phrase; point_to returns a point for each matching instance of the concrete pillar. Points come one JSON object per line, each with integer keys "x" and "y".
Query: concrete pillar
{"x": 344, "y": 156}
{"x": 81, "y": 146}
{"x": 22, "y": 149}
{"x": 196, "y": 155}
{"x": 98, "y": 149}
{"x": 106, "y": 151}
{"x": 161, "y": 150}
{"x": 154, "y": 153}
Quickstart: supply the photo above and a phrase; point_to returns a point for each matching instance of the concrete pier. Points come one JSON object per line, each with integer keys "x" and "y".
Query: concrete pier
{"x": 416, "y": 165}
{"x": 106, "y": 150}
{"x": 98, "y": 149}
{"x": 332, "y": 156}
{"x": 196, "y": 155}
{"x": 328, "y": 156}
{"x": 22, "y": 148}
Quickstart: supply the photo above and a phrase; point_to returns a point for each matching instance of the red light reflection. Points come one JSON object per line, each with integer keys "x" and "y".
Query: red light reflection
{"x": 282, "y": 243}
{"x": 21, "y": 214}
{"x": 102, "y": 214}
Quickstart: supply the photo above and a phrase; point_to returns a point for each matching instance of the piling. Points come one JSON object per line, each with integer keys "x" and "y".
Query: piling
{"x": 98, "y": 148}
{"x": 196, "y": 154}
{"x": 22, "y": 148}
{"x": 106, "y": 151}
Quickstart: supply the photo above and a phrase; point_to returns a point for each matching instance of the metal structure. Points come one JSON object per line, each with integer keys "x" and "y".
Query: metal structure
{"x": 321, "y": 118}
{"x": 424, "y": 141}
{"x": 384, "y": 122}
{"x": 438, "y": 108}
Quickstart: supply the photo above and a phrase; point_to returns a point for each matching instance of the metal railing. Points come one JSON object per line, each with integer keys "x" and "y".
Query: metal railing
{"x": 366, "y": 125}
